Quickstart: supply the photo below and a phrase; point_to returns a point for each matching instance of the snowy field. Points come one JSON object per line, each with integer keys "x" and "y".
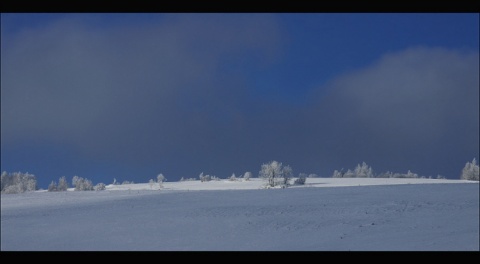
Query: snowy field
{"x": 359, "y": 214}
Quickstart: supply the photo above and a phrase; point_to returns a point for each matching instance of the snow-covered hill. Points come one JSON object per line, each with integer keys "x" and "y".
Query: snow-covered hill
{"x": 361, "y": 214}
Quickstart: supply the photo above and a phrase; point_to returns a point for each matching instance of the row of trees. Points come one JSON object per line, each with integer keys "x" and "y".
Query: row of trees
{"x": 233, "y": 177}
{"x": 79, "y": 184}
{"x": 274, "y": 173}
{"x": 469, "y": 172}
{"x": 365, "y": 171}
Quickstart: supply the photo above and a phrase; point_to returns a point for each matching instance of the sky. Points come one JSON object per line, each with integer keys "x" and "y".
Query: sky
{"x": 325, "y": 214}
{"x": 129, "y": 96}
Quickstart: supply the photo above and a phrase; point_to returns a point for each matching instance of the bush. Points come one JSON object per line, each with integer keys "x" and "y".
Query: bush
{"x": 52, "y": 187}
{"x": 247, "y": 176}
{"x": 204, "y": 178}
{"x": 300, "y": 181}
{"x": 100, "y": 187}
{"x": 82, "y": 184}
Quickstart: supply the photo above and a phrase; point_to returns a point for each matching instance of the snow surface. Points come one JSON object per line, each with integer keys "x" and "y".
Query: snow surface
{"x": 360, "y": 214}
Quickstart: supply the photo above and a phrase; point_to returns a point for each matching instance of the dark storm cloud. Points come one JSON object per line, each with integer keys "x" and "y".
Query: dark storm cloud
{"x": 139, "y": 94}
{"x": 416, "y": 109}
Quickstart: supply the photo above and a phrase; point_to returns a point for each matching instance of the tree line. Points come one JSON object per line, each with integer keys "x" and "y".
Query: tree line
{"x": 274, "y": 173}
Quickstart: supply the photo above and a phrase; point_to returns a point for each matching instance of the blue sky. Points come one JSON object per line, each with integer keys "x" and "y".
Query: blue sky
{"x": 128, "y": 96}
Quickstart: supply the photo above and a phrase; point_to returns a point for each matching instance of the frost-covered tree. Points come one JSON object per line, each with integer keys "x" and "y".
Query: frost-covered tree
{"x": 52, "y": 187}
{"x": 161, "y": 178}
{"x": 5, "y": 181}
{"x": 82, "y": 184}
{"x": 287, "y": 175}
{"x": 337, "y": 174}
{"x": 62, "y": 184}
{"x": 233, "y": 177}
{"x": 271, "y": 172}
{"x": 151, "y": 182}
{"x": 74, "y": 180}
{"x": 470, "y": 171}
{"x": 274, "y": 173}
{"x": 363, "y": 171}
{"x": 18, "y": 182}
{"x": 247, "y": 176}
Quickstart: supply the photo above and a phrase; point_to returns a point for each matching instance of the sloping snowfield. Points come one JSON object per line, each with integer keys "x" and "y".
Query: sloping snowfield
{"x": 359, "y": 214}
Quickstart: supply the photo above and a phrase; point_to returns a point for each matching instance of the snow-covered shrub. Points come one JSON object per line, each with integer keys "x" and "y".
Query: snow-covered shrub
{"x": 300, "y": 181}
{"x": 233, "y": 177}
{"x": 18, "y": 182}
{"x": 470, "y": 171}
{"x": 312, "y": 175}
{"x": 82, "y": 184}
{"x": 100, "y": 187}
{"x": 409, "y": 174}
{"x": 151, "y": 182}
{"x": 160, "y": 180}
{"x": 188, "y": 179}
{"x": 387, "y": 174}
{"x": 337, "y": 174}
{"x": 247, "y": 176}
{"x": 348, "y": 174}
{"x": 127, "y": 182}
{"x": 52, "y": 187}
{"x": 204, "y": 178}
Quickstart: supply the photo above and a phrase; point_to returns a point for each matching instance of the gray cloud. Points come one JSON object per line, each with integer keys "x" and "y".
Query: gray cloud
{"x": 415, "y": 109}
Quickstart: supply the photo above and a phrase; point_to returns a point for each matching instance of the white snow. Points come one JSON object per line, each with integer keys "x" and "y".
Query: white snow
{"x": 360, "y": 214}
